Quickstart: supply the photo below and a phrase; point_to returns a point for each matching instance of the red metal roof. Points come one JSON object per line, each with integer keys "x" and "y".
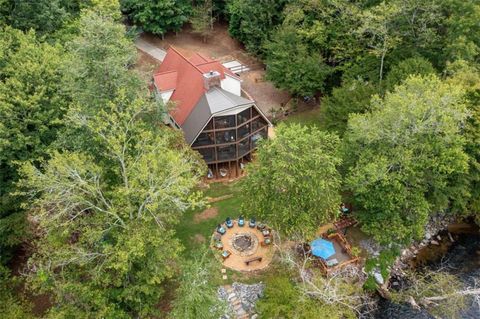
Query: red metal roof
{"x": 185, "y": 76}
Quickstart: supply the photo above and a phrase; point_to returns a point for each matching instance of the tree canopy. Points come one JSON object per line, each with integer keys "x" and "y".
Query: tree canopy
{"x": 294, "y": 182}
{"x": 158, "y": 16}
{"x": 401, "y": 157}
{"x": 32, "y": 106}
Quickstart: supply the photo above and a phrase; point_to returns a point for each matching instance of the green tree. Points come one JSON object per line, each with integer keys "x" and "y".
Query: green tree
{"x": 461, "y": 39}
{"x": 158, "y": 16}
{"x": 196, "y": 297}
{"x": 292, "y": 66}
{"x": 43, "y": 16}
{"x": 106, "y": 227}
{"x": 402, "y": 155}
{"x": 31, "y": 109}
{"x": 99, "y": 60}
{"x": 378, "y": 30}
{"x": 10, "y": 305}
{"x": 251, "y": 22}
{"x": 294, "y": 183}
{"x": 286, "y": 299}
{"x": 468, "y": 76}
{"x": 202, "y": 19}
{"x": 407, "y": 67}
{"x": 350, "y": 98}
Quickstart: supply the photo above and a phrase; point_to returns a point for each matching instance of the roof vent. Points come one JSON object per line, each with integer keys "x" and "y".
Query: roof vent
{"x": 211, "y": 79}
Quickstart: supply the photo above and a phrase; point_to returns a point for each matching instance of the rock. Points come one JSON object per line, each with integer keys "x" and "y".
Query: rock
{"x": 439, "y": 238}
{"x": 255, "y": 316}
{"x": 242, "y": 298}
{"x": 395, "y": 283}
{"x": 428, "y": 236}
{"x": 378, "y": 278}
{"x": 434, "y": 242}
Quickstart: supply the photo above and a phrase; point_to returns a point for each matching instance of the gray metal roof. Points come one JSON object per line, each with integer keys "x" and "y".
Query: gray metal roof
{"x": 214, "y": 101}
{"x": 220, "y": 100}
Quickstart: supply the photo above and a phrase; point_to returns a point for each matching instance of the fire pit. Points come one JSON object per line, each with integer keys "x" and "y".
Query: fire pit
{"x": 242, "y": 242}
{"x": 245, "y": 244}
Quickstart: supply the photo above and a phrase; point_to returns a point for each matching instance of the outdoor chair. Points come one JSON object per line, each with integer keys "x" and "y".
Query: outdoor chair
{"x": 226, "y": 254}
{"x": 241, "y": 221}
{"x": 221, "y": 230}
{"x": 266, "y": 242}
{"x": 332, "y": 262}
{"x": 218, "y": 245}
{"x": 252, "y": 223}
{"x": 229, "y": 222}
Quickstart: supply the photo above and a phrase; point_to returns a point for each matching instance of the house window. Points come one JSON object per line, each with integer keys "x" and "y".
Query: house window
{"x": 209, "y": 125}
{"x": 259, "y": 136}
{"x": 254, "y": 112}
{"x": 204, "y": 139}
{"x": 258, "y": 123}
{"x": 226, "y": 152}
{"x": 225, "y": 136}
{"x": 207, "y": 153}
{"x": 243, "y": 116}
{"x": 244, "y": 147}
{"x": 243, "y": 131}
{"x": 224, "y": 121}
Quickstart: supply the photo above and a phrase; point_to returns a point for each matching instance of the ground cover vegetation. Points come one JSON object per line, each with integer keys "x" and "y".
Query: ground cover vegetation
{"x": 103, "y": 199}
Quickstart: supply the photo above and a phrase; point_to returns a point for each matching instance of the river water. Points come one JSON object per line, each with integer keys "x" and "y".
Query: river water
{"x": 461, "y": 258}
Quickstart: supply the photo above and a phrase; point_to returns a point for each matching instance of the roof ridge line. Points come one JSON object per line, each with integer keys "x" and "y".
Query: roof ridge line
{"x": 185, "y": 58}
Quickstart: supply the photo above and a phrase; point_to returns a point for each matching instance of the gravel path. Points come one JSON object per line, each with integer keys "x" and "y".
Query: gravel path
{"x": 150, "y": 49}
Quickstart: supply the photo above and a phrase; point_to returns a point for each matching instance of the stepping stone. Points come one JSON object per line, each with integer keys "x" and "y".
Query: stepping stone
{"x": 224, "y": 277}
{"x": 224, "y": 271}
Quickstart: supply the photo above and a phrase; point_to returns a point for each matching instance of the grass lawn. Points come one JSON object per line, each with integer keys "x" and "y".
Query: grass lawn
{"x": 309, "y": 118}
{"x": 196, "y": 234}
{"x": 190, "y": 231}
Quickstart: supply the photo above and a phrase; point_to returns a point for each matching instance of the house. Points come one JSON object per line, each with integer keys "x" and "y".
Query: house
{"x": 217, "y": 118}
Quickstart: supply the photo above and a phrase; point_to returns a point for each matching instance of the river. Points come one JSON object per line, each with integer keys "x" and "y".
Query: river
{"x": 460, "y": 258}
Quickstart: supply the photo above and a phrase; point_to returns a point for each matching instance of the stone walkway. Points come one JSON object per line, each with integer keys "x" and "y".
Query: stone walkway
{"x": 242, "y": 298}
{"x": 150, "y": 49}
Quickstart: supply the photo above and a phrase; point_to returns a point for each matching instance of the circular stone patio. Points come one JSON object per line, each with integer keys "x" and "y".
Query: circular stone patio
{"x": 244, "y": 243}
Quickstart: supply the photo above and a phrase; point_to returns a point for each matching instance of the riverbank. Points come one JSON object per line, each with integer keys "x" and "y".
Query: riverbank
{"x": 455, "y": 251}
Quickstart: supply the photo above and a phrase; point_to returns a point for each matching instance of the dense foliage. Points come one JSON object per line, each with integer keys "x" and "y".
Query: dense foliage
{"x": 91, "y": 186}
{"x": 158, "y": 16}
{"x": 32, "y": 106}
{"x": 403, "y": 157}
{"x": 196, "y": 296}
{"x": 294, "y": 183}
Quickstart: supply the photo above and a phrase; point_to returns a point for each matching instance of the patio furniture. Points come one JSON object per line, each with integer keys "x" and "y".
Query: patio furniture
{"x": 218, "y": 245}
{"x": 223, "y": 172}
{"x": 251, "y": 260}
{"x": 229, "y": 222}
{"x": 217, "y": 236}
{"x": 332, "y": 262}
{"x": 252, "y": 223}
{"x": 266, "y": 242}
{"x": 266, "y": 232}
{"x": 221, "y": 230}
{"x": 241, "y": 221}
{"x": 261, "y": 226}
{"x": 226, "y": 254}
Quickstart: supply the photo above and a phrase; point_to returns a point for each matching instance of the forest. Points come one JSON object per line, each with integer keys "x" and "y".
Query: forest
{"x": 93, "y": 188}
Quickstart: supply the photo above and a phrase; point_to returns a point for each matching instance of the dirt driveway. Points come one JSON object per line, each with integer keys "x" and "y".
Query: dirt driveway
{"x": 224, "y": 48}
